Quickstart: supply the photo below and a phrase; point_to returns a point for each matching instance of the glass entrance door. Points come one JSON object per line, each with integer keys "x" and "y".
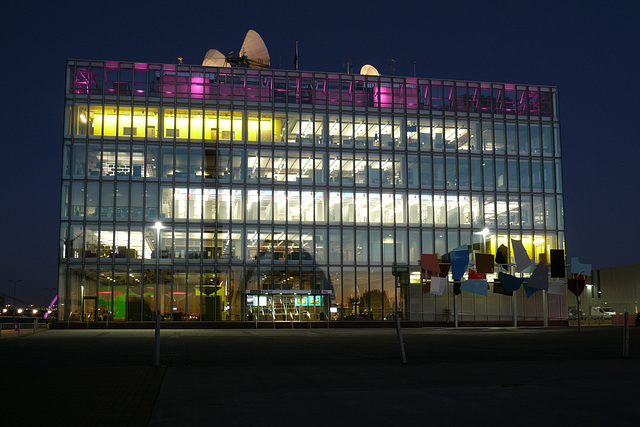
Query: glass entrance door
{"x": 311, "y": 308}
{"x": 287, "y": 307}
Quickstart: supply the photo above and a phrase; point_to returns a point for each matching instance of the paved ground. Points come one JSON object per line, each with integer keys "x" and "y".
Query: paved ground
{"x": 466, "y": 376}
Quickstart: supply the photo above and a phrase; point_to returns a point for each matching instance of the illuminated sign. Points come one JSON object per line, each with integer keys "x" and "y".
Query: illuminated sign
{"x": 308, "y": 301}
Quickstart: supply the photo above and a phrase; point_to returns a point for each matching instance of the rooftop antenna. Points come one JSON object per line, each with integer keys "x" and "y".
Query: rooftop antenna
{"x": 348, "y": 64}
{"x": 414, "y": 68}
{"x": 392, "y": 67}
{"x": 253, "y": 54}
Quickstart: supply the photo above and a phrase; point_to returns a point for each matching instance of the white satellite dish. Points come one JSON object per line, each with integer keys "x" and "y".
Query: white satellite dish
{"x": 255, "y": 51}
{"x": 369, "y": 70}
{"x": 215, "y": 58}
{"x": 253, "y": 54}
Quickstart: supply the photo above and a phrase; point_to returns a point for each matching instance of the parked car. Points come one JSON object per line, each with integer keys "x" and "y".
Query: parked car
{"x": 638, "y": 319}
{"x": 608, "y": 312}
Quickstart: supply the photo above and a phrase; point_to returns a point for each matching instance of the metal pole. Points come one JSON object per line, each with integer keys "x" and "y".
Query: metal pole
{"x": 422, "y": 307}
{"x": 515, "y": 310}
{"x": 157, "y": 295}
{"x": 455, "y": 310}
{"x": 395, "y": 293}
{"x": 14, "y": 300}
{"x": 397, "y": 318}
{"x": 578, "y": 303}
{"x": 157, "y": 339}
{"x": 14, "y": 304}
{"x": 625, "y": 347}
{"x": 545, "y": 308}
{"x": 579, "y": 314}
{"x": 400, "y": 340}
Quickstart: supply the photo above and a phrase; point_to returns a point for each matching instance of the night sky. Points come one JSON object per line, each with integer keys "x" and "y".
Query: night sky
{"x": 588, "y": 49}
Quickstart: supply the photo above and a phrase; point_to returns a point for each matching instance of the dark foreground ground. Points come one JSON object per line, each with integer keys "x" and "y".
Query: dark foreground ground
{"x": 303, "y": 377}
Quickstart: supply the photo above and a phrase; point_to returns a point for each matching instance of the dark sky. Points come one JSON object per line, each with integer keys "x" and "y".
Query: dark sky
{"x": 588, "y": 49}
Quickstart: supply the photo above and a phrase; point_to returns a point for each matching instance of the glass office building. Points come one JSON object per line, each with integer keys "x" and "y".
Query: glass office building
{"x": 297, "y": 196}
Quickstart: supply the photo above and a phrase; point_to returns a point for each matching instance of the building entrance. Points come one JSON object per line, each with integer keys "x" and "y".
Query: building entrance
{"x": 287, "y": 306}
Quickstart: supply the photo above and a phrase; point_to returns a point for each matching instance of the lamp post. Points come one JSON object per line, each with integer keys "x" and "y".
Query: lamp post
{"x": 158, "y": 226}
{"x": 15, "y": 282}
{"x": 485, "y": 232}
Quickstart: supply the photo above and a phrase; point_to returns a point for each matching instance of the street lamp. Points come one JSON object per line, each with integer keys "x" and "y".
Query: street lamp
{"x": 158, "y": 226}
{"x": 485, "y": 233}
{"x": 15, "y": 282}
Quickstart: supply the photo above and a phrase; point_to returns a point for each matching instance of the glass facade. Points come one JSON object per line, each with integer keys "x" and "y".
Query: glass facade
{"x": 288, "y": 195}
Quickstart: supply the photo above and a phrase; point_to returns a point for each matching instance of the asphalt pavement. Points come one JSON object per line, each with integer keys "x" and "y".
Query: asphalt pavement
{"x": 463, "y": 376}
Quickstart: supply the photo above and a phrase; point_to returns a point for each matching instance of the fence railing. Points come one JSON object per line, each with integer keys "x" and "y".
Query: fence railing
{"x": 23, "y": 327}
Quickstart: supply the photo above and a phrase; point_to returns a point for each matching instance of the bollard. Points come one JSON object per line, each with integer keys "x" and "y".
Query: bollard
{"x": 400, "y": 340}
{"x": 625, "y": 344}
